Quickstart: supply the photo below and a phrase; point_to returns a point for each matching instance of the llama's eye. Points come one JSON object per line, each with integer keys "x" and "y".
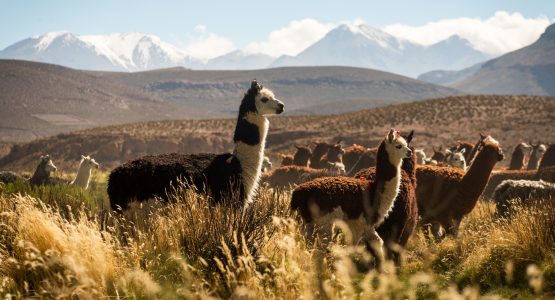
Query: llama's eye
{"x": 264, "y": 100}
{"x": 398, "y": 146}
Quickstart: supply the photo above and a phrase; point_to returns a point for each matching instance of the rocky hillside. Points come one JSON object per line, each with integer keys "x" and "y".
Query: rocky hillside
{"x": 510, "y": 119}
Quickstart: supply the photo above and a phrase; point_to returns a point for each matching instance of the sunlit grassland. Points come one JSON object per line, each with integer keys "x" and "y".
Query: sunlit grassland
{"x": 60, "y": 241}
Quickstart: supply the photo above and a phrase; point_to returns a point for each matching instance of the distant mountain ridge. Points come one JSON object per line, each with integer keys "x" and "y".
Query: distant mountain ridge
{"x": 364, "y": 46}
{"x": 346, "y": 45}
{"x": 529, "y": 70}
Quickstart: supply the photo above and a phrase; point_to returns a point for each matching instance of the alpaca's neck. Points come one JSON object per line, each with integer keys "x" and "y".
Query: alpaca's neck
{"x": 250, "y": 140}
{"x": 476, "y": 178}
{"x": 83, "y": 177}
{"x": 534, "y": 161}
{"x": 387, "y": 182}
{"x": 517, "y": 160}
{"x": 40, "y": 175}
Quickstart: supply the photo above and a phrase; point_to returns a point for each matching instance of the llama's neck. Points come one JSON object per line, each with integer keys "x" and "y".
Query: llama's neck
{"x": 40, "y": 175}
{"x": 534, "y": 161}
{"x": 387, "y": 182}
{"x": 476, "y": 178}
{"x": 517, "y": 160}
{"x": 83, "y": 177}
{"x": 250, "y": 141}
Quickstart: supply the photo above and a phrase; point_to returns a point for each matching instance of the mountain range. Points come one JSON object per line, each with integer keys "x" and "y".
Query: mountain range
{"x": 346, "y": 45}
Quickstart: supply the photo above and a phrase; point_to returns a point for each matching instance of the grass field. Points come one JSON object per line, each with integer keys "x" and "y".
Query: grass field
{"x": 60, "y": 242}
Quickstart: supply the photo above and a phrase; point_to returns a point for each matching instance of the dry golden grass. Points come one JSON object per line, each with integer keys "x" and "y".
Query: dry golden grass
{"x": 188, "y": 249}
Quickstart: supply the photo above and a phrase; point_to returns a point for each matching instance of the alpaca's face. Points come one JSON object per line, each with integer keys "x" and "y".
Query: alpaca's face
{"x": 397, "y": 147}
{"x": 420, "y": 156}
{"x": 457, "y": 160}
{"x": 267, "y": 104}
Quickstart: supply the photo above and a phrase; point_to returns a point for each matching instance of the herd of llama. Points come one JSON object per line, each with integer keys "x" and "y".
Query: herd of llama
{"x": 382, "y": 194}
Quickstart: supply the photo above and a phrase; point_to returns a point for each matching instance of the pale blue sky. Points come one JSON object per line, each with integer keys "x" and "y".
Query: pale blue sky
{"x": 239, "y": 21}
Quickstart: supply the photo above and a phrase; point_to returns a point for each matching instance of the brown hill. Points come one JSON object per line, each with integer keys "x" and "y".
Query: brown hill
{"x": 510, "y": 119}
{"x": 530, "y": 70}
{"x": 39, "y": 100}
{"x": 303, "y": 88}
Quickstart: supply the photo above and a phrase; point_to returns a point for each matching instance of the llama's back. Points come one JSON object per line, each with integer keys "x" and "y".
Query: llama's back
{"x": 328, "y": 193}
{"x": 522, "y": 190}
{"x": 352, "y": 155}
{"x": 366, "y": 160}
{"x": 498, "y": 176}
{"x": 154, "y": 175}
{"x": 435, "y": 189}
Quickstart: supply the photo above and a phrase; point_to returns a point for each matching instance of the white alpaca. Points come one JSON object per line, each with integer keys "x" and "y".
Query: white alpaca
{"x": 83, "y": 176}
{"x": 456, "y": 159}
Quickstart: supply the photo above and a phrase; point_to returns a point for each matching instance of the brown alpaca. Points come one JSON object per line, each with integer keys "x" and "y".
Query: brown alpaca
{"x": 446, "y": 195}
{"x": 438, "y": 155}
{"x": 403, "y": 218}
{"x": 362, "y": 204}
{"x": 334, "y": 155}
{"x": 519, "y": 154}
{"x": 287, "y": 176}
{"x": 318, "y": 152}
{"x": 548, "y": 159}
{"x": 302, "y": 156}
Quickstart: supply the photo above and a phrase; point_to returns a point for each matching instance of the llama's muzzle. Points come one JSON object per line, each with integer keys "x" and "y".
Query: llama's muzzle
{"x": 280, "y": 107}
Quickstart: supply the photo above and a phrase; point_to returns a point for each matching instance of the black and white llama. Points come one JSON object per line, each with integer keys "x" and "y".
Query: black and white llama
{"x": 222, "y": 176}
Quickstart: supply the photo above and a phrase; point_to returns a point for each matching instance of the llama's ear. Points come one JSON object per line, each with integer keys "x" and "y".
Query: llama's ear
{"x": 255, "y": 86}
{"x": 448, "y": 151}
{"x": 463, "y": 150}
{"x": 339, "y": 141}
{"x": 409, "y": 137}
{"x": 82, "y": 156}
{"x": 391, "y": 135}
{"x": 482, "y": 137}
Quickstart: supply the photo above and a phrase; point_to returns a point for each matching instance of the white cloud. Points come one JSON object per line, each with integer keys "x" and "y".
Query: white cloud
{"x": 291, "y": 40}
{"x": 205, "y": 45}
{"x": 498, "y": 34}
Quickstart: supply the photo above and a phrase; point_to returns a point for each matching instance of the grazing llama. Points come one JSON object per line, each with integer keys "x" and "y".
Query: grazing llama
{"x": 523, "y": 191}
{"x": 362, "y": 204}
{"x": 220, "y": 175}
{"x": 83, "y": 177}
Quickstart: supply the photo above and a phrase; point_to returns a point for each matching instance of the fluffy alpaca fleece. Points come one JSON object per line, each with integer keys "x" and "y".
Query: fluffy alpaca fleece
{"x": 223, "y": 176}
{"x": 84, "y": 171}
{"x": 523, "y": 191}
{"x": 498, "y": 176}
{"x": 446, "y": 195}
{"x": 519, "y": 155}
{"x": 363, "y": 205}
{"x": 10, "y": 177}
{"x": 287, "y": 176}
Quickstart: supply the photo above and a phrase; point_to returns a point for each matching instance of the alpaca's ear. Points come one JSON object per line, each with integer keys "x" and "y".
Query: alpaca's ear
{"x": 391, "y": 135}
{"x": 82, "y": 156}
{"x": 482, "y": 137}
{"x": 409, "y": 137}
{"x": 463, "y": 150}
{"x": 339, "y": 141}
{"x": 255, "y": 86}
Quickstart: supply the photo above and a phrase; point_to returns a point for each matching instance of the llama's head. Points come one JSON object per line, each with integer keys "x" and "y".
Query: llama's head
{"x": 261, "y": 101}
{"x": 88, "y": 162}
{"x": 438, "y": 155}
{"x": 46, "y": 164}
{"x": 303, "y": 155}
{"x": 320, "y": 149}
{"x": 286, "y": 159}
{"x": 524, "y": 148}
{"x": 335, "y": 152}
{"x": 396, "y": 146}
{"x": 538, "y": 149}
{"x": 420, "y": 156}
{"x": 491, "y": 149}
{"x": 456, "y": 159}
